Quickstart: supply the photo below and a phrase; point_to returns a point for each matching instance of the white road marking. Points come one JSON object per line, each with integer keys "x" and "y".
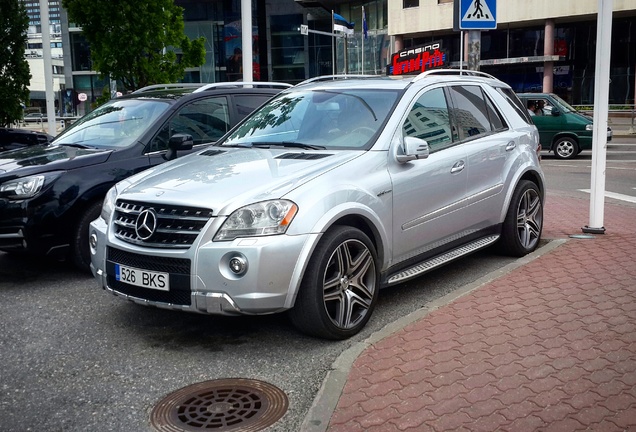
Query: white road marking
{"x": 617, "y": 196}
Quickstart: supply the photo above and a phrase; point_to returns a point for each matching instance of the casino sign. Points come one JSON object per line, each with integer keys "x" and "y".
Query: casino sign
{"x": 417, "y": 59}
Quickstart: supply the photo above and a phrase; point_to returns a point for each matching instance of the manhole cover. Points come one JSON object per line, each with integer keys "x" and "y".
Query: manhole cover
{"x": 220, "y": 405}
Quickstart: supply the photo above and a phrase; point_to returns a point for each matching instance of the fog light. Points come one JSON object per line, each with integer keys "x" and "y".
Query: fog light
{"x": 93, "y": 240}
{"x": 238, "y": 265}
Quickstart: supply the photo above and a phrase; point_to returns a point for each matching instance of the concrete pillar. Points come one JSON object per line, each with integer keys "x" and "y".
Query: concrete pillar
{"x": 548, "y": 49}
{"x": 399, "y": 43}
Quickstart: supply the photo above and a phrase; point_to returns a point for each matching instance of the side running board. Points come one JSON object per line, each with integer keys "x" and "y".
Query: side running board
{"x": 440, "y": 260}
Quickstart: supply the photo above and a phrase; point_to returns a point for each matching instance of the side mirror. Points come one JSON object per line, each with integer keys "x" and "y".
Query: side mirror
{"x": 178, "y": 142}
{"x": 414, "y": 148}
{"x": 556, "y": 112}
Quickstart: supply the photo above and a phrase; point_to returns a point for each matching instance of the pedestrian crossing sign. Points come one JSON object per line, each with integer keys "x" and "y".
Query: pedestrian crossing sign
{"x": 477, "y": 14}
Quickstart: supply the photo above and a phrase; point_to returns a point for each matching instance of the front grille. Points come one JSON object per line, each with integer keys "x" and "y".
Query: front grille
{"x": 178, "y": 268}
{"x": 176, "y": 226}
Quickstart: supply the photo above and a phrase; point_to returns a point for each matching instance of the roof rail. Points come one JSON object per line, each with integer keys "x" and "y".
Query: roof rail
{"x": 335, "y": 77}
{"x": 453, "y": 72}
{"x": 241, "y": 84}
{"x": 167, "y": 86}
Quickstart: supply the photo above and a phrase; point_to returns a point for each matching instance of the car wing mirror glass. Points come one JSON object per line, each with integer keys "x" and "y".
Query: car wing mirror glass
{"x": 413, "y": 148}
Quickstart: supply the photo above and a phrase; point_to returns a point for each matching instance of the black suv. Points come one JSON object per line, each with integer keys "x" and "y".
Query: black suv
{"x": 12, "y": 139}
{"x": 50, "y": 193}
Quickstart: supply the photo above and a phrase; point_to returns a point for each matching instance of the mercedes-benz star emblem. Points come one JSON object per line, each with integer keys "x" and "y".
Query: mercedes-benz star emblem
{"x": 146, "y": 224}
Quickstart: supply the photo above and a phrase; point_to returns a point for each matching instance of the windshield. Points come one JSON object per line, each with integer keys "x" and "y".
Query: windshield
{"x": 321, "y": 119}
{"x": 119, "y": 123}
{"x": 563, "y": 105}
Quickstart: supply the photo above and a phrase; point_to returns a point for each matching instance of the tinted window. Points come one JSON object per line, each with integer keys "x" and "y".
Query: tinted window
{"x": 205, "y": 120}
{"x": 429, "y": 120}
{"x": 496, "y": 121}
{"x": 245, "y": 104}
{"x": 470, "y": 111}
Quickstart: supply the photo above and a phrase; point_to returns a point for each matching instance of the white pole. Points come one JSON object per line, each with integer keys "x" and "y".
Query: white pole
{"x": 48, "y": 67}
{"x": 246, "y": 37}
{"x": 333, "y": 45}
{"x": 363, "y": 40}
{"x": 461, "y": 49}
{"x": 601, "y": 102}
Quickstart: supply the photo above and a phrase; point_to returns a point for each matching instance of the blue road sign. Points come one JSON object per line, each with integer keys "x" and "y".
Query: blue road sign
{"x": 477, "y": 14}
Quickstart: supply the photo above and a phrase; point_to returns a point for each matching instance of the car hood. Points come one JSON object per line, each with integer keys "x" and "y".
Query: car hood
{"x": 217, "y": 178}
{"x": 44, "y": 158}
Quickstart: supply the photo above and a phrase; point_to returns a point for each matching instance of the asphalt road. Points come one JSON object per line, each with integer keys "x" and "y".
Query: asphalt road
{"x": 75, "y": 358}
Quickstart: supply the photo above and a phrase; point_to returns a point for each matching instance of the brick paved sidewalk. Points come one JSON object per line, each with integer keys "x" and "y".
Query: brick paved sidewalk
{"x": 550, "y": 346}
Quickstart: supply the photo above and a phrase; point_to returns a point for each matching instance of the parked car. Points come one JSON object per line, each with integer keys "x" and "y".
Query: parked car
{"x": 50, "y": 193}
{"x": 34, "y": 117}
{"x": 332, "y": 190}
{"x": 562, "y": 129}
{"x": 12, "y": 139}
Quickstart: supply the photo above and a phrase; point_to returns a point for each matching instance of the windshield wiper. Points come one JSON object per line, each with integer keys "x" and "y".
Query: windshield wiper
{"x": 81, "y": 146}
{"x": 288, "y": 144}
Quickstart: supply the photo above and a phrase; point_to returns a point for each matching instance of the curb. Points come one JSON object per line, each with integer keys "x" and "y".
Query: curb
{"x": 325, "y": 403}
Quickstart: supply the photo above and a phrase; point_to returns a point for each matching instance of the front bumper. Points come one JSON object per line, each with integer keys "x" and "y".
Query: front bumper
{"x": 200, "y": 278}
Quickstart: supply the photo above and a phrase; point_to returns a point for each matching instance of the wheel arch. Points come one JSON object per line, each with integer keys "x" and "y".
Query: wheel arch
{"x": 560, "y": 135}
{"x": 352, "y": 218}
{"x": 529, "y": 174}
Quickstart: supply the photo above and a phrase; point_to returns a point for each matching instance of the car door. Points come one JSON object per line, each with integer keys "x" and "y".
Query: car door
{"x": 428, "y": 193}
{"x": 489, "y": 146}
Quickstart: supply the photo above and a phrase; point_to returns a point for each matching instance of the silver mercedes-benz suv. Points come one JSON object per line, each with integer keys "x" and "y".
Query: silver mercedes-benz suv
{"x": 336, "y": 188}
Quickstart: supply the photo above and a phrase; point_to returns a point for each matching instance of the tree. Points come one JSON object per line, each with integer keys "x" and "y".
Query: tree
{"x": 15, "y": 75}
{"x": 133, "y": 41}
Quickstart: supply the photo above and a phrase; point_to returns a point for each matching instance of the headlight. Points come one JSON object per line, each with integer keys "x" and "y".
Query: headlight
{"x": 260, "y": 219}
{"x": 109, "y": 204}
{"x": 27, "y": 187}
{"x": 589, "y": 127}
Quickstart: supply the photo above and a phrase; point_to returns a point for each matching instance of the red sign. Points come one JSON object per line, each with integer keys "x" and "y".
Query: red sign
{"x": 416, "y": 60}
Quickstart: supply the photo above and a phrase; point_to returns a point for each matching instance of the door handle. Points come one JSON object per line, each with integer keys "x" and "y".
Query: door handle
{"x": 511, "y": 145}
{"x": 459, "y": 165}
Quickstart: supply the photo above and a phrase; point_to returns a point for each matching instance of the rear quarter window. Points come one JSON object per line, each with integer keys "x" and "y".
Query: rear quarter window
{"x": 515, "y": 103}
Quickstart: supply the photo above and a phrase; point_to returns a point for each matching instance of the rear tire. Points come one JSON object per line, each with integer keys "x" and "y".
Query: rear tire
{"x": 340, "y": 286}
{"x": 522, "y": 227}
{"x": 80, "y": 250}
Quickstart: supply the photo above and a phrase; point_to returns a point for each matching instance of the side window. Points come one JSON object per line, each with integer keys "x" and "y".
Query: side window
{"x": 206, "y": 120}
{"x": 496, "y": 120}
{"x": 515, "y": 103}
{"x": 245, "y": 104}
{"x": 470, "y": 111}
{"x": 429, "y": 120}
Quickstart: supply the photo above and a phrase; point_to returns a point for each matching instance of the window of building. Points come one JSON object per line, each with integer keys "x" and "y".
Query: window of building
{"x": 410, "y": 3}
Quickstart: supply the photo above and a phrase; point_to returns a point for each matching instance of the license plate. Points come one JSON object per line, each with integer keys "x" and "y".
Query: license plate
{"x": 142, "y": 278}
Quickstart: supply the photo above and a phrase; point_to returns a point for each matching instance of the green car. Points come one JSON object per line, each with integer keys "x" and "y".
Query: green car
{"x": 562, "y": 129}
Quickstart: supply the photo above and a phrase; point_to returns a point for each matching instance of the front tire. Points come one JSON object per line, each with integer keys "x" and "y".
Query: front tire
{"x": 340, "y": 287}
{"x": 566, "y": 148}
{"x": 80, "y": 250}
{"x": 522, "y": 227}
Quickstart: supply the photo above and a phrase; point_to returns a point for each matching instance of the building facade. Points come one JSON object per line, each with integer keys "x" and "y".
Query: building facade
{"x": 34, "y": 50}
{"x": 538, "y": 45}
